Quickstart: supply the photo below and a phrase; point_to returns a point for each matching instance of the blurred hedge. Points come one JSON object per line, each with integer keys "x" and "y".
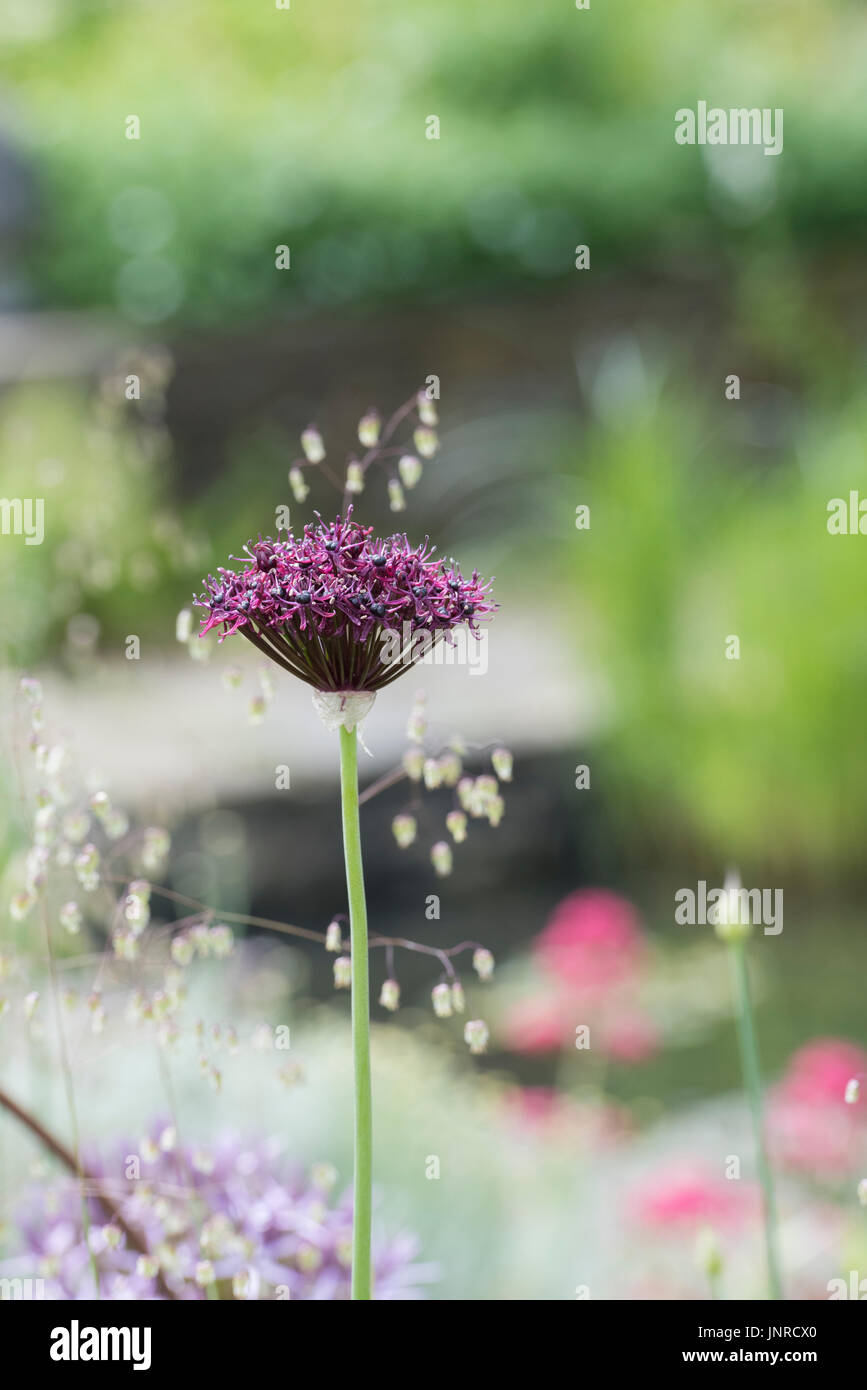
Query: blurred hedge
{"x": 306, "y": 127}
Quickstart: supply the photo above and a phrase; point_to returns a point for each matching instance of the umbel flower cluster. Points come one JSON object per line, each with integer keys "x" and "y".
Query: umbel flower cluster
{"x": 340, "y": 609}
{"x": 179, "y": 1222}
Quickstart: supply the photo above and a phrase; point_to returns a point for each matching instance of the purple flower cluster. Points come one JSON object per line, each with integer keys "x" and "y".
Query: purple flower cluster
{"x": 322, "y": 605}
{"x": 232, "y": 1220}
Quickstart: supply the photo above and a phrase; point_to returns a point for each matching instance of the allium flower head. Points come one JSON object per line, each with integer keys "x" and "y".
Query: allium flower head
{"x": 322, "y": 605}
{"x": 235, "y": 1215}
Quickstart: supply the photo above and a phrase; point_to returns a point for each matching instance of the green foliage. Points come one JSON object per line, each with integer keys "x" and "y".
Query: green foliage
{"x": 758, "y": 757}
{"x": 113, "y": 561}
{"x": 262, "y": 127}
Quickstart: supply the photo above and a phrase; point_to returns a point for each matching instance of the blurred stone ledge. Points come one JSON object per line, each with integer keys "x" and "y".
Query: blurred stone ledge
{"x": 40, "y": 346}
{"x": 164, "y": 731}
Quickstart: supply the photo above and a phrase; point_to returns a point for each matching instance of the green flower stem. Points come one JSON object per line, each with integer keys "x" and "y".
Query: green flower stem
{"x": 753, "y": 1084}
{"x": 362, "y": 1206}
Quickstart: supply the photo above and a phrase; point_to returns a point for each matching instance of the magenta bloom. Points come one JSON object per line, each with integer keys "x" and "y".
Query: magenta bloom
{"x": 689, "y": 1197}
{"x": 341, "y": 609}
{"x": 592, "y": 942}
{"x": 540, "y": 1023}
{"x": 812, "y": 1129}
{"x": 818, "y": 1072}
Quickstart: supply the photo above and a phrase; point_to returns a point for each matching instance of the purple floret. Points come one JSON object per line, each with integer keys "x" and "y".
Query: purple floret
{"x": 322, "y": 605}
{"x": 268, "y": 1232}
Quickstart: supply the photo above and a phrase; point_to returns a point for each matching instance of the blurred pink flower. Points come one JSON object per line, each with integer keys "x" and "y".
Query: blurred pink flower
{"x": 690, "y": 1197}
{"x": 811, "y": 1127}
{"x": 533, "y": 1106}
{"x": 593, "y": 953}
{"x": 631, "y": 1037}
{"x": 818, "y": 1072}
{"x": 545, "y": 1110}
{"x": 536, "y": 1025}
{"x": 592, "y": 942}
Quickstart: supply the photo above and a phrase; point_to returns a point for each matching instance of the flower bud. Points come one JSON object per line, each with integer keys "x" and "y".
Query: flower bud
{"x": 404, "y": 830}
{"x": 222, "y": 941}
{"x": 396, "y": 499}
{"x": 232, "y": 678}
{"x": 243, "y": 1284}
{"x": 450, "y": 768}
{"x": 112, "y": 1236}
{"x": 853, "y": 1090}
{"x": 485, "y": 789}
{"x": 342, "y": 972}
{"x": 733, "y": 931}
{"x": 413, "y": 764}
{"x": 334, "y": 937}
{"x": 441, "y": 996}
{"x": 728, "y": 925}
{"x": 182, "y": 949}
{"x": 389, "y": 995}
{"x": 425, "y": 441}
{"x": 427, "y": 411}
{"x": 483, "y": 963}
{"x": 459, "y": 1000}
{"x": 21, "y": 905}
{"x": 432, "y": 774}
{"x": 155, "y": 849}
{"x": 45, "y": 826}
{"x": 354, "y": 477}
{"x": 708, "y": 1255}
{"x": 502, "y": 763}
{"x": 75, "y": 826}
{"x": 70, "y": 918}
{"x": 466, "y": 792}
{"x": 368, "y": 428}
{"x": 862, "y": 1192}
{"x": 410, "y": 469}
{"x": 496, "y": 810}
{"x": 417, "y": 723}
{"x": 476, "y": 1035}
{"x": 136, "y": 910}
{"x": 441, "y": 858}
{"x": 456, "y": 824}
{"x": 87, "y": 868}
{"x": 100, "y": 805}
{"x": 311, "y": 443}
{"x": 184, "y": 625}
{"x": 30, "y": 1002}
{"x": 204, "y": 1273}
{"x": 324, "y": 1175}
{"x": 300, "y": 490}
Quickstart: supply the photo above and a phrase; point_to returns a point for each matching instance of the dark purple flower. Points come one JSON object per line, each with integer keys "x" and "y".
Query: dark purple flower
{"x": 233, "y": 1218}
{"x": 341, "y": 609}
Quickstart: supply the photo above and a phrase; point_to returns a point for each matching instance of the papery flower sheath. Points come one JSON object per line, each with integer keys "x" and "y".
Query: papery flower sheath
{"x": 341, "y": 609}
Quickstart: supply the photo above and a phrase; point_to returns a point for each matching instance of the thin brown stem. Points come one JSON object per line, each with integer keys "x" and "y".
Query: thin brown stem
{"x": 92, "y": 1184}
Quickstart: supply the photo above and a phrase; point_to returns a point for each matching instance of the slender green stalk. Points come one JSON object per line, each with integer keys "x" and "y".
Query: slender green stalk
{"x": 753, "y": 1084}
{"x": 361, "y": 1219}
